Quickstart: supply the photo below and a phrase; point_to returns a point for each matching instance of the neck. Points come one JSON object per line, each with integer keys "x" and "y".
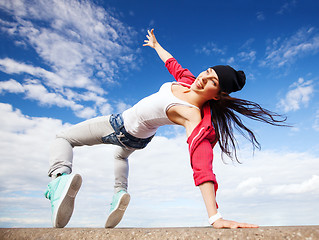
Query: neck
{"x": 195, "y": 99}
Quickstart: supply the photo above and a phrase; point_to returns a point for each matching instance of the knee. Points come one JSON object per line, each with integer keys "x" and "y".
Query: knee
{"x": 121, "y": 153}
{"x": 119, "y": 156}
{"x": 61, "y": 134}
{"x": 62, "y": 137}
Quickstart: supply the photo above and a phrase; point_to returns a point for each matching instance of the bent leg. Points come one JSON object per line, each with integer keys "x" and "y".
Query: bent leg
{"x": 89, "y": 132}
{"x": 61, "y": 156}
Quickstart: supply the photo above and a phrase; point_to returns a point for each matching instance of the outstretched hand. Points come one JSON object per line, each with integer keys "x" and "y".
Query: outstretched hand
{"x": 151, "y": 39}
{"x": 152, "y": 42}
{"x": 222, "y": 223}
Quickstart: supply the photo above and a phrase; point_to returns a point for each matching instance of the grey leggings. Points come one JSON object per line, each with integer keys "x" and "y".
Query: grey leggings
{"x": 90, "y": 133}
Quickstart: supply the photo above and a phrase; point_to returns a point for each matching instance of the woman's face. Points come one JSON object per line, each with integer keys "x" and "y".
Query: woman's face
{"x": 207, "y": 84}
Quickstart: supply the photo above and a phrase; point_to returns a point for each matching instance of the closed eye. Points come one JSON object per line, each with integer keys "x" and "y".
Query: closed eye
{"x": 215, "y": 81}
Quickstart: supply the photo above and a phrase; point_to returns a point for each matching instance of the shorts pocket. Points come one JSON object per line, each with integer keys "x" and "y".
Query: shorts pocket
{"x": 111, "y": 139}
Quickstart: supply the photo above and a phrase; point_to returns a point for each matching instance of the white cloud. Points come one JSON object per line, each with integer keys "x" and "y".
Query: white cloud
{"x": 11, "y": 86}
{"x": 106, "y": 109}
{"x": 287, "y": 6}
{"x": 231, "y": 60}
{"x": 246, "y": 52}
{"x": 299, "y": 94}
{"x": 23, "y": 146}
{"x": 249, "y": 56}
{"x": 260, "y": 16}
{"x": 86, "y": 113}
{"x": 81, "y": 47}
{"x": 249, "y": 186}
{"x": 85, "y": 96}
{"x": 10, "y": 66}
{"x": 307, "y": 186}
{"x": 121, "y": 107}
{"x": 258, "y": 178}
{"x": 159, "y": 175}
{"x": 210, "y": 48}
{"x": 281, "y": 52}
{"x": 34, "y": 90}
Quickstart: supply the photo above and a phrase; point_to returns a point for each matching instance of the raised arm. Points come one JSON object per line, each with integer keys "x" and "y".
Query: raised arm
{"x": 153, "y": 43}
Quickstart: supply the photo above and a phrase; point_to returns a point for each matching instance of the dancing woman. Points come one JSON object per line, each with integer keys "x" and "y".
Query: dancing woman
{"x": 201, "y": 104}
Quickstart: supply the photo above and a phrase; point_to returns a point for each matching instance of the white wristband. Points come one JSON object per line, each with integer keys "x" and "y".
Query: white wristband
{"x": 214, "y": 218}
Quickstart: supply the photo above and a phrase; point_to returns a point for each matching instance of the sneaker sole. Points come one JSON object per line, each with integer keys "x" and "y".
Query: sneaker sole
{"x": 66, "y": 205}
{"x": 117, "y": 214}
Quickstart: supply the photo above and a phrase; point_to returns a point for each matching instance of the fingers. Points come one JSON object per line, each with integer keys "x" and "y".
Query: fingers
{"x": 252, "y": 226}
{"x": 150, "y": 38}
{"x": 247, "y": 225}
{"x": 147, "y": 42}
{"x": 150, "y": 32}
{"x": 232, "y": 224}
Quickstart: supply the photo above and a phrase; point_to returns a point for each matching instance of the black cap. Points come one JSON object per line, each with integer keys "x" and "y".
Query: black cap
{"x": 230, "y": 80}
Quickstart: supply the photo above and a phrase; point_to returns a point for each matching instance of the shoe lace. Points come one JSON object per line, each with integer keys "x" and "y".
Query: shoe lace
{"x": 51, "y": 188}
{"x": 48, "y": 193}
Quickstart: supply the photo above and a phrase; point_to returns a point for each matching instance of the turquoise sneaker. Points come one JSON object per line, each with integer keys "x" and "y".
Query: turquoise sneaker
{"x": 118, "y": 207}
{"x": 62, "y": 191}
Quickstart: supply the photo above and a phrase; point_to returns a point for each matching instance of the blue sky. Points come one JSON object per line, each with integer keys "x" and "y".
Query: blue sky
{"x": 62, "y": 62}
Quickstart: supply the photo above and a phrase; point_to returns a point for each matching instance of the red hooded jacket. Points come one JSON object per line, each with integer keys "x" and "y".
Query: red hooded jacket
{"x": 203, "y": 138}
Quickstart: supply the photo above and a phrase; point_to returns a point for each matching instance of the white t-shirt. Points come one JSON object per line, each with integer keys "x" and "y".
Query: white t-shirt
{"x": 144, "y": 118}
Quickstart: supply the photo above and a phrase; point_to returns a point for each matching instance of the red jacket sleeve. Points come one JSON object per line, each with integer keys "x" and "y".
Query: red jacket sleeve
{"x": 202, "y": 163}
{"x": 181, "y": 75}
{"x": 201, "y": 143}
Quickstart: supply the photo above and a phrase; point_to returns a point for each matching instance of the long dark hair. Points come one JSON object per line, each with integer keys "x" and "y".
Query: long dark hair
{"x": 225, "y": 119}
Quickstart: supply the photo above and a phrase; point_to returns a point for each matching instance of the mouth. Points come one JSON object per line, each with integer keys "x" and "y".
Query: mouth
{"x": 198, "y": 84}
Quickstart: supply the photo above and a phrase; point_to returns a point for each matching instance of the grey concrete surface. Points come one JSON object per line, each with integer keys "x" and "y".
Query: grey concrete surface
{"x": 293, "y": 232}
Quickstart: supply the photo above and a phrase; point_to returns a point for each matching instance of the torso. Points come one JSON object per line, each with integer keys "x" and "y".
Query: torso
{"x": 172, "y": 104}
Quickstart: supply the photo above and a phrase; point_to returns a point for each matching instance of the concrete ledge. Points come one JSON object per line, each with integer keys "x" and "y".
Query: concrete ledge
{"x": 273, "y": 233}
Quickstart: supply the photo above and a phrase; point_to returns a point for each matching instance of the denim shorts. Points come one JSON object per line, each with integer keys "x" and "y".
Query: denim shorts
{"x": 121, "y": 137}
